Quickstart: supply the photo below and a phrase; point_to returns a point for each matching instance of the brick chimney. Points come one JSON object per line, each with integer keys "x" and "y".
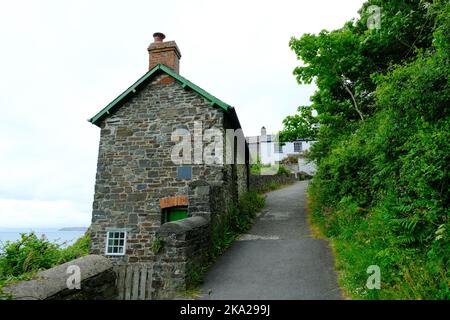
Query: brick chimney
{"x": 166, "y": 53}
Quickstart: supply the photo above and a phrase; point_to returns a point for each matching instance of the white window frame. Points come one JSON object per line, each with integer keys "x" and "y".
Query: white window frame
{"x": 124, "y": 242}
{"x": 299, "y": 143}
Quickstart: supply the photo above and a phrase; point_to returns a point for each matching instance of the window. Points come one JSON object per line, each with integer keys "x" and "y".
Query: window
{"x": 297, "y": 146}
{"x": 184, "y": 173}
{"x": 278, "y": 148}
{"x": 174, "y": 214}
{"x": 115, "y": 243}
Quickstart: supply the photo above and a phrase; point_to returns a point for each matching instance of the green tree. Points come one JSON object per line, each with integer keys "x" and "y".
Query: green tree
{"x": 303, "y": 125}
{"x": 344, "y": 64}
{"x": 381, "y": 191}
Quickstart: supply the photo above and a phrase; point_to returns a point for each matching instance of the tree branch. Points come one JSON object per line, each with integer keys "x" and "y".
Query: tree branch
{"x": 353, "y": 99}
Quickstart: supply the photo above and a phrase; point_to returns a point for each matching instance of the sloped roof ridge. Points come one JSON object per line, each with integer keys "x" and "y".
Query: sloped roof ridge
{"x": 135, "y": 86}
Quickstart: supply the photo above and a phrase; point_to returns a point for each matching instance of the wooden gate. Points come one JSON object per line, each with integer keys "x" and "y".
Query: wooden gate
{"x": 134, "y": 282}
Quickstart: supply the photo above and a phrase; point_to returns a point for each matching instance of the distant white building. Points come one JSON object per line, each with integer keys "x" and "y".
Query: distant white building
{"x": 268, "y": 149}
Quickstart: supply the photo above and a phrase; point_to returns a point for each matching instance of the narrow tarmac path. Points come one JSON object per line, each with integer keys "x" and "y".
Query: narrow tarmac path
{"x": 278, "y": 258}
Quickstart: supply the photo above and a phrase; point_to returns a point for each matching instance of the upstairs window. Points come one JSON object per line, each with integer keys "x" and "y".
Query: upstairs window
{"x": 115, "y": 243}
{"x": 297, "y": 146}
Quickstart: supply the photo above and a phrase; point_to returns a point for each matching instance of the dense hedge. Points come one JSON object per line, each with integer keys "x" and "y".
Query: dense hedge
{"x": 381, "y": 191}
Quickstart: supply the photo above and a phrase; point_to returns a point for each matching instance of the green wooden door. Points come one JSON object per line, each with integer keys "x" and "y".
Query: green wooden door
{"x": 174, "y": 214}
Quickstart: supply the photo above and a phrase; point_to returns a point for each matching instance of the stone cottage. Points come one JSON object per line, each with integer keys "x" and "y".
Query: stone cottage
{"x": 144, "y": 179}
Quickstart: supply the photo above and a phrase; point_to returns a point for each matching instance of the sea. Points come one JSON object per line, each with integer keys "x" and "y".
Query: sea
{"x": 63, "y": 238}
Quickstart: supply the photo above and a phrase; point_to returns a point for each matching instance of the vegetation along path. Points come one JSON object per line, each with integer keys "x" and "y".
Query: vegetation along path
{"x": 278, "y": 258}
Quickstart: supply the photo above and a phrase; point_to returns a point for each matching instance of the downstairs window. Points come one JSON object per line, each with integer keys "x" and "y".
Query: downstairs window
{"x": 115, "y": 243}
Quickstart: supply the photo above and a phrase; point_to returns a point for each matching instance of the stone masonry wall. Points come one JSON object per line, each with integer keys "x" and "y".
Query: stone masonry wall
{"x": 184, "y": 249}
{"x": 242, "y": 179}
{"x": 136, "y": 178}
{"x": 235, "y": 181}
{"x": 134, "y": 165}
{"x": 261, "y": 182}
{"x": 98, "y": 282}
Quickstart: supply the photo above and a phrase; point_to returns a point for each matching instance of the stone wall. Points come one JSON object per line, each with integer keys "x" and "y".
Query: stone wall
{"x": 98, "y": 282}
{"x": 135, "y": 169}
{"x": 184, "y": 248}
{"x": 136, "y": 179}
{"x": 242, "y": 179}
{"x": 236, "y": 168}
{"x": 260, "y": 183}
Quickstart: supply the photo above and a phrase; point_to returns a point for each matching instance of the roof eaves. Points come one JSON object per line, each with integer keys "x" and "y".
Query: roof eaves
{"x": 123, "y": 95}
{"x": 133, "y": 88}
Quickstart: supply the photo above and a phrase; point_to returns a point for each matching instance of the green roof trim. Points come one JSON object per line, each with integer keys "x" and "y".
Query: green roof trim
{"x": 183, "y": 81}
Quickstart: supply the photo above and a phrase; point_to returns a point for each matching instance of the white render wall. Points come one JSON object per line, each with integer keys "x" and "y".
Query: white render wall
{"x": 269, "y": 156}
{"x": 266, "y": 147}
{"x": 307, "y": 167}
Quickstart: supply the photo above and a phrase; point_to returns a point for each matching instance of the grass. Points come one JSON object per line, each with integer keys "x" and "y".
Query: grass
{"x": 359, "y": 242}
{"x": 317, "y": 233}
{"x": 190, "y": 293}
{"x": 315, "y": 229}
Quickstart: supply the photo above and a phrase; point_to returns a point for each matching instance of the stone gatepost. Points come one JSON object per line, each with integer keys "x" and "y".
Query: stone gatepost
{"x": 199, "y": 199}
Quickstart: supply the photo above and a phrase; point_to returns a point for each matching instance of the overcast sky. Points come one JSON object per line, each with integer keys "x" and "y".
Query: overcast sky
{"x": 62, "y": 61}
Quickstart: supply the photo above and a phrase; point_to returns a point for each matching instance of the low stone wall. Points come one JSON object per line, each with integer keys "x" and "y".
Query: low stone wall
{"x": 184, "y": 247}
{"x": 307, "y": 167}
{"x": 260, "y": 183}
{"x": 96, "y": 275}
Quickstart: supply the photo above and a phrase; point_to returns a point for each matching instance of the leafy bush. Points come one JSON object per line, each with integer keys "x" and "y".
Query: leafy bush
{"x": 22, "y": 258}
{"x": 381, "y": 191}
{"x": 239, "y": 219}
{"x": 78, "y": 249}
{"x": 249, "y": 204}
{"x": 28, "y": 254}
{"x": 255, "y": 168}
{"x": 283, "y": 170}
{"x": 258, "y": 167}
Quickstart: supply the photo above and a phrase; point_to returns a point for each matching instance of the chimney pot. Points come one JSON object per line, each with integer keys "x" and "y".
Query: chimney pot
{"x": 158, "y": 36}
{"x": 166, "y": 53}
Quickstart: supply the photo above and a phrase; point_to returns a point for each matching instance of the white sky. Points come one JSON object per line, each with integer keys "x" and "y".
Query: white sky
{"x": 62, "y": 61}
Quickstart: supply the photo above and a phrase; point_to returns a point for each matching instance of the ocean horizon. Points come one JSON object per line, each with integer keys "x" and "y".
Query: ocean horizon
{"x": 55, "y": 235}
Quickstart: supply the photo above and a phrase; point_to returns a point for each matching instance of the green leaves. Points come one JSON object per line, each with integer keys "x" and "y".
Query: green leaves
{"x": 30, "y": 254}
{"x": 345, "y": 63}
{"x": 382, "y": 189}
{"x": 300, "y": 126}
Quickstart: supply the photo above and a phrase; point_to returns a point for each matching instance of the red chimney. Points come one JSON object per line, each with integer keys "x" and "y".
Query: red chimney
{"x": 166, "y": 53}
